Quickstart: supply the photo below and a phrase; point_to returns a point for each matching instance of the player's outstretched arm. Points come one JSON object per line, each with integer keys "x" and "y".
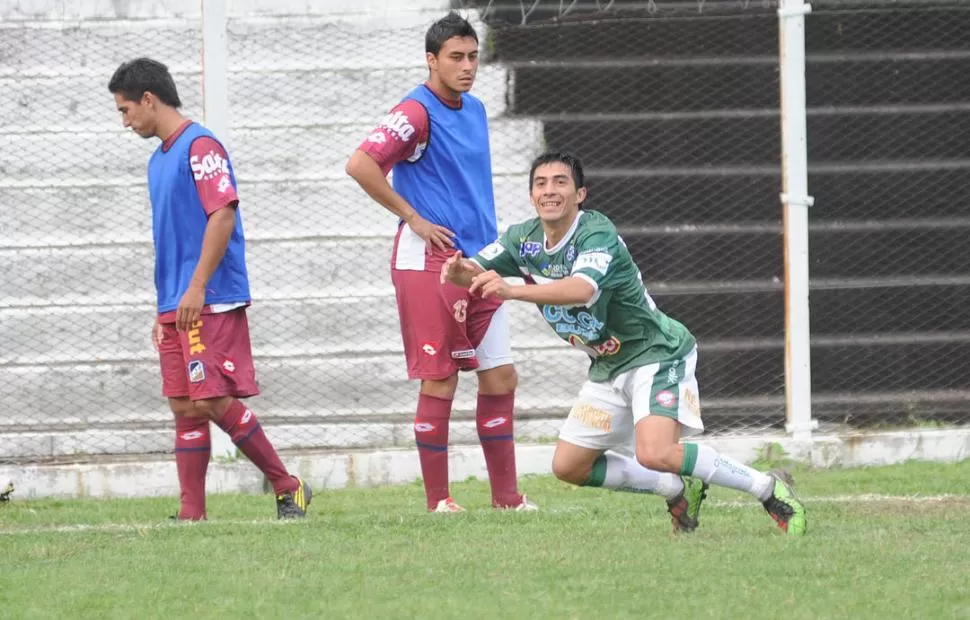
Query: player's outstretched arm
{"x": 459, "y": 271}
{"x": 566, "y": 292}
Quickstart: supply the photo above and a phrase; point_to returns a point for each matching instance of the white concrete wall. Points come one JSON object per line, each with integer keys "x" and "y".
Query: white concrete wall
{"x": 307, "y": 81}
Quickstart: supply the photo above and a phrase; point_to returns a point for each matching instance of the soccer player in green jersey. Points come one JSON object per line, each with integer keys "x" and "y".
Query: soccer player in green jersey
{"x": 641, "y": 395}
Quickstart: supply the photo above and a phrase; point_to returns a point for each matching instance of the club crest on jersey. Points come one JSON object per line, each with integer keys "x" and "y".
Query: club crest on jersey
{"x": 196, "y": 371}
{"x": 530, "y": 249}
{"x": 666, "y": 399}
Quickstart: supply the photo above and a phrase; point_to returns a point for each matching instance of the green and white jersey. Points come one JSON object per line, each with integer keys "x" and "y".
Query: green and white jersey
{"x": 620, "y": 328}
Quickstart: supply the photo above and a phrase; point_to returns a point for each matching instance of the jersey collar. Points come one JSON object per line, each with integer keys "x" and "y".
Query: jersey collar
{"x": 562, "y": 242}
{"x": 169, "y": 141}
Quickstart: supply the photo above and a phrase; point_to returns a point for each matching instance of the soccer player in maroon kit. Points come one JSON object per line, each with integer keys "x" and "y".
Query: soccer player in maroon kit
{"x": 436, "y": 141}
{"x": 201, "y": 331}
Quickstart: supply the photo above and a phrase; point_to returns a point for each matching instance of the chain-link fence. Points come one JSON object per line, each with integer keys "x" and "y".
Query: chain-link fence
{"x": 888, "y": 126}
{"x": 673, "y": 107}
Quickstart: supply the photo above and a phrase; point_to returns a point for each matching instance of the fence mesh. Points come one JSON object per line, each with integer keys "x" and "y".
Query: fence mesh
{"x": 673, "y": 107}
{"x": 889, "y": 119}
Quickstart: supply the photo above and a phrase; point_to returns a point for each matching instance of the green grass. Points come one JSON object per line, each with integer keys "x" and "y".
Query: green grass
{"x": 373, "y": 553}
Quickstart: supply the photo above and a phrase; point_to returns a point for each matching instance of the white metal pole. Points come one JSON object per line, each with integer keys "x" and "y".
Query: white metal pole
{"x": 215, "y": 102}
{"x": 796, "y": 202}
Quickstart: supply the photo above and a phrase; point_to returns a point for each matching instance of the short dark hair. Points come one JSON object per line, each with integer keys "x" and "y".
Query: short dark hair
{"x": 449, "y": 26}
{"x": 143, "y": 75}
{"x": 551, "y": 157}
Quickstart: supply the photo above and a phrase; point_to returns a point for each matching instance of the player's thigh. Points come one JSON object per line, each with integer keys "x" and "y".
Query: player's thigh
{"x": 490, "y": 333}
{"x": 218, "y": 357}
{"x": 175, "y": 383}
{"x": 666, "y": 389}
{"x": 425, "y": 322}
{"x": 599, "y": 420}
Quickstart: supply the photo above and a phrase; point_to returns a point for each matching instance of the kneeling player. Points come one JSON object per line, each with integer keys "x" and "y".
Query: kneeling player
{"x": 641, "y": 396}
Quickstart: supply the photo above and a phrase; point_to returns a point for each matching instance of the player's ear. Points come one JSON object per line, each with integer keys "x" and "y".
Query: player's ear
{"x": 148, "y": 99}
{"x": 432, "y": 61}
{"x": 581, "y": 195}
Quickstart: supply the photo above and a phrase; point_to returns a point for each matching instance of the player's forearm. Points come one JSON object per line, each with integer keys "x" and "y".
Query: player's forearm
{"x": 218, "y": 230}
{"x": 371, "y": 178}
{"x": 565, "y": 292}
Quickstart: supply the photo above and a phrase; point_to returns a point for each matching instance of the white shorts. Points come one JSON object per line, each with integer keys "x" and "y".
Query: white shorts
{"x": 606, "y": 413}
{"x": 496, "y": 347}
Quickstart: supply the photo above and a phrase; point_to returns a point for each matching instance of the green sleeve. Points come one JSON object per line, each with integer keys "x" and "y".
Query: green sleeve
{"x": 501, "y": 256}
{"x": 596, "y": 254}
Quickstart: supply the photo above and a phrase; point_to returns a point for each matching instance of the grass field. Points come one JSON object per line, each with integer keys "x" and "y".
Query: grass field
{"x": 889, "y": 542}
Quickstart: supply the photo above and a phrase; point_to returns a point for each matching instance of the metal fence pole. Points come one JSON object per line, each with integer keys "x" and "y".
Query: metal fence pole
{"x": 796, "y": 201}
{"x": 215, "y": 101}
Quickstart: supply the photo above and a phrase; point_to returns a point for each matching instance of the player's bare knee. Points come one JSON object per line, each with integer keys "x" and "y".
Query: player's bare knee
{"x": 656, "y": 457}
{"x": 440, "y": 388}
{"x": 569, "y": 469}
{"x": 182, "y": 407}
{"x": 569, "y": 472}
{"x": 499, "y": 380}
{"x": 212, "y": 408}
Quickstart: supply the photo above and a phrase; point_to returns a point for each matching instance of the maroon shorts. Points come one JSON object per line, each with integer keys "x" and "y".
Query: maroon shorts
{"x": 441, "y": 325}
{"x": 211, "y": 360}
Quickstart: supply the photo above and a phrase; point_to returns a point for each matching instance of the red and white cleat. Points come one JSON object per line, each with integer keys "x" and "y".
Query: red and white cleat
{"x": 448, "y": 505}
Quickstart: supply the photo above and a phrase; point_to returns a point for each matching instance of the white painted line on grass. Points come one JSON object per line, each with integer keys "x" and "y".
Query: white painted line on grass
{"x": 138, "y": 527}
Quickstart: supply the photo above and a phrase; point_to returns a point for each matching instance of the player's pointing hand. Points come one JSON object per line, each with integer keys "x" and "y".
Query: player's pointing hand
{"x": 491, "y": 283}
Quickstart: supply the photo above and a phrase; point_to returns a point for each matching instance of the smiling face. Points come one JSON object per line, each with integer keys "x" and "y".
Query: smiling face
{"x": 554, "y": 193}
{"x": 455, "y": 66}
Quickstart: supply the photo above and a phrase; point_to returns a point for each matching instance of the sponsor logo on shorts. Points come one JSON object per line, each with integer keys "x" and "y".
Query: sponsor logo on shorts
{"x": 463, "y": 355}
{"x": 672, "y": 375}
{"x": 189, "y": 436}
{"x": 530, "y": 249}
{"x": 196, "y": 371}
{"x": 430, "y": 349}
{"x": 666, "y": 399}
{"x": 229, "y": 366}
{"x": 692, "y": 402}
{"x": 423, "y": 427}
{"x": 592, "y": 417}
{"x": 246, "y": 417}
{"x": 195, "y": 339}
{"x": 494, "y": 422}
{"x": 461, "y": 310}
